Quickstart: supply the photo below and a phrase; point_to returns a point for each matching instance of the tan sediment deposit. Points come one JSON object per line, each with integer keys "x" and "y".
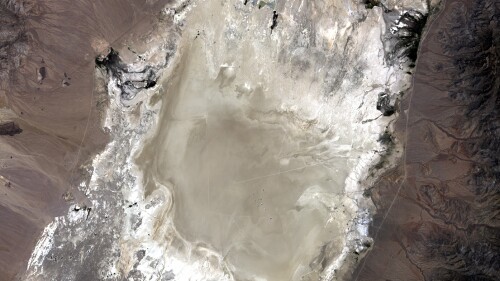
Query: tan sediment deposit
{"x": 50, "y": 116}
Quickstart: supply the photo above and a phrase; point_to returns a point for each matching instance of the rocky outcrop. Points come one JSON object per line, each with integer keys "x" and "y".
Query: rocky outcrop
{"x": 130, "y": 82}
{"x": 384, "y": 104}
{"x": 405, "y": 35}
{"x": 9, "y": 129}
{"x": 13, "y": 40}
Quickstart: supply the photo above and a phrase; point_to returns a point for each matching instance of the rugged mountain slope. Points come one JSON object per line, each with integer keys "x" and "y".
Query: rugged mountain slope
{"x": 438, "y": 212}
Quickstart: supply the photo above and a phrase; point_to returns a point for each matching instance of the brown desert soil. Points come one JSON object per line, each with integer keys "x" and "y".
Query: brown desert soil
{"x": 50, "y": 115}
{"x": 438, "y": 211}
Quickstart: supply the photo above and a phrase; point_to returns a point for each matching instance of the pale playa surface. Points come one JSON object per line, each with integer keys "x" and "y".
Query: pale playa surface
{"x": 262, "y": 139}
{"x": 248, "y": 167}
{"x": 248, "y": 179}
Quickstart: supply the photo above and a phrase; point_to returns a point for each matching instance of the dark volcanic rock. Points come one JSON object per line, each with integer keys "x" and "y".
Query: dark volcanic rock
{"x": 369, "y": 4}
{"x": 404, "y": 36}
{"x": 438, "y": 212}
{"x": 274, "y": 20}
{"x": 384, "y": 104}
{"x": 10, "y": 129}
{"x": 129, "y": 82}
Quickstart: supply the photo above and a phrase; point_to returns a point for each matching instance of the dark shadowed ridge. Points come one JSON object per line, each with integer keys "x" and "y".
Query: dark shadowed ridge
{"x": 438, "y": 211}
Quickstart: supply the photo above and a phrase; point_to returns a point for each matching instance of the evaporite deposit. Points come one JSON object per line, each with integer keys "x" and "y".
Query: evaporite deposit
{"x": 243, "y": 136}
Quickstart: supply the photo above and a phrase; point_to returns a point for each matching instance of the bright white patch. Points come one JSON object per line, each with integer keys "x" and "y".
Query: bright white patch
{"x": 43, "y": 246}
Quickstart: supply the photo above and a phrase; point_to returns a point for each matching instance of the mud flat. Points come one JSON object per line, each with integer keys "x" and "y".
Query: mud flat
{"x": 262, "y": 139}
{"x": 242, "y": 136}
{"x": 437, "y": 212}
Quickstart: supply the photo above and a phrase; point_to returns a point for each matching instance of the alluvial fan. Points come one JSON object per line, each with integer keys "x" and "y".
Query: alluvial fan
{"x": 438, "y": 211}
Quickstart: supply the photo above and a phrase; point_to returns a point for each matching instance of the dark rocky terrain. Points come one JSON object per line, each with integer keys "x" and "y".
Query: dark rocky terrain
{"x": 438, "y": 211}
